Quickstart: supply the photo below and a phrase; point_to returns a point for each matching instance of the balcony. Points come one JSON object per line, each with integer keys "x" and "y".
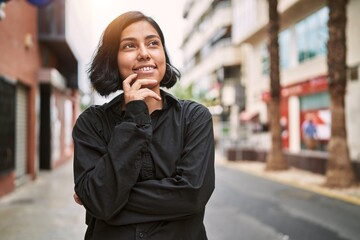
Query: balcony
{"x": 52, "y": 34}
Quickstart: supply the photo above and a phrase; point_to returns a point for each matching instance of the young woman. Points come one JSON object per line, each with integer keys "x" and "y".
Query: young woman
{"x": 144, "y": 162}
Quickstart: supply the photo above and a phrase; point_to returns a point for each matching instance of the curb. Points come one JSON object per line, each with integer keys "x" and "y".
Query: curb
{"x": 319, "y": 190}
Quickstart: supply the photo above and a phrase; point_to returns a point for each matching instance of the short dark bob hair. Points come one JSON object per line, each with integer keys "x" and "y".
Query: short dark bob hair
{"x": 104, "y": 72}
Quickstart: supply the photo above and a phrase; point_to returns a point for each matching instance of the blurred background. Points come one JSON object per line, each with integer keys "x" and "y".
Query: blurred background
{"x": 220, "y": 46}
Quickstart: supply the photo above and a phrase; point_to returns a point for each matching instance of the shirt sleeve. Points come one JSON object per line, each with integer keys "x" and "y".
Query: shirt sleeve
{"x": 188, "y": 191}
{"x": 102, "y": 166}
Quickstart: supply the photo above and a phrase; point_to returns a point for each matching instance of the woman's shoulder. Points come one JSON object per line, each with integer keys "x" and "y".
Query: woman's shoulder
{"x": 192, "y": 104}
{"x": 194, "y": 109}
{"x": 91, "y": 112}
{"x": 97, "y": 111}
{"x": 90, "y": 118}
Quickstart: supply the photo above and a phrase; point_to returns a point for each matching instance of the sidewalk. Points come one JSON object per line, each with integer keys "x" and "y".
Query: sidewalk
{"x": 43, "y": 209}
{"x": 294, "y": 177}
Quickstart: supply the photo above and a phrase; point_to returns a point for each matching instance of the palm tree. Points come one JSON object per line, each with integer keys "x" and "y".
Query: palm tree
{"x": 275, "y": 158}
{"x": 339, "y": 169}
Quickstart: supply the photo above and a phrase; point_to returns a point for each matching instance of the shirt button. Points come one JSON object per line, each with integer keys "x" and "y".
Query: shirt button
{"x": 141, "y": 235}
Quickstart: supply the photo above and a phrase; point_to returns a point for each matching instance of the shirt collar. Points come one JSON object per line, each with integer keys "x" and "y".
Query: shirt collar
{"x": 169, "y": 99}
{"x": 115, "y": 101}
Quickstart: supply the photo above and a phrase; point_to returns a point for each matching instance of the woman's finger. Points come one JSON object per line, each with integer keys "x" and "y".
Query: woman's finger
{"x": 145, "y": 93}
{"x": 128, "y": 81}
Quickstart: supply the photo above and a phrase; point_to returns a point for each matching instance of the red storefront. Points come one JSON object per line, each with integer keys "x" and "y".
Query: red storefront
{"x": 314, "y": 103}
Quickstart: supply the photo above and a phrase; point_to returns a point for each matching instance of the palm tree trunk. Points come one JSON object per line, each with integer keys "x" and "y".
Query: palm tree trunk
{"x": 339, "y": 169}
{"x": 275, "y": 159}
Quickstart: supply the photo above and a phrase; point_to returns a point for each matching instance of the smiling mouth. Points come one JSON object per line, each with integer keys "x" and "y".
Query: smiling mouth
{"x": 144, "y": 69}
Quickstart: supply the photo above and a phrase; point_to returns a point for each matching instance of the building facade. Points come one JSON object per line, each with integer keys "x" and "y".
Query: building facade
{"x": 39, "y": 88}
{"x": 303, "y": 68}
{"x": 19, "y": 62}
{"x": 211, "y": 61}
{"x": 303, "y": 64}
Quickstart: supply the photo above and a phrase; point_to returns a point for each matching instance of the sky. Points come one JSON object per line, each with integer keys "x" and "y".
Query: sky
{"x": 167, "y": 13}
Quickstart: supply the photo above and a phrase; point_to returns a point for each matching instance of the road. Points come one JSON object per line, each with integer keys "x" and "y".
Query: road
{"x": 243, "y": 207}
{"x": 246, "y": 207}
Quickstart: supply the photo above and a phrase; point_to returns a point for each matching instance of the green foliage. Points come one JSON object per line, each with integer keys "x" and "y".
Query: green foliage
{"x": 188, "y": 93}
{"x": 183, "y": 92}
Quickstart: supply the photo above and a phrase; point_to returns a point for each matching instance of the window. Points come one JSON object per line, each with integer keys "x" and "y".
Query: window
{"x": 285, "y": 48}
{"x": 316, "y": 107}
{"x": 284, "y": 52}
{"x": 315, "y": 101}
{"x": 312, "y": 35}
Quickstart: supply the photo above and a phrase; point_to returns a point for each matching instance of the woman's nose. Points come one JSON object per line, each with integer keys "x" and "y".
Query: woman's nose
{"x": 143, "y": 53}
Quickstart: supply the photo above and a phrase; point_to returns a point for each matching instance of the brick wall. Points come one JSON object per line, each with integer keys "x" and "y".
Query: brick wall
{"x": 17, "y": 61}
{"x": 20, "y": 62}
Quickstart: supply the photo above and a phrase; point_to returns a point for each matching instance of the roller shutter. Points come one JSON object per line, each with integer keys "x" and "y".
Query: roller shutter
{"x": 21, "y": 143}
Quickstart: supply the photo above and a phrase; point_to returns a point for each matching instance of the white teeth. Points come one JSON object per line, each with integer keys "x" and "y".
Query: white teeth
{"x": 145, "y": 69}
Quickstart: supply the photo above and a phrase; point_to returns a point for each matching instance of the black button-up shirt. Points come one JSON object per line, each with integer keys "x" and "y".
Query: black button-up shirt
{"x": 143, "y": 176}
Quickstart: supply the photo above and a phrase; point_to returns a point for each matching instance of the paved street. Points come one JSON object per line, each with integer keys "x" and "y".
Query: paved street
{"x": 243, "y": 207}
{"x": 247, "y": 207}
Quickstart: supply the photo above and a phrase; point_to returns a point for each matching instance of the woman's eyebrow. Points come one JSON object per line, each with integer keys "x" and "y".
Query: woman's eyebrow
{"x": 127, "y": 39}
{"x": 152, "y": 36}
{"x": 134, "y": 39}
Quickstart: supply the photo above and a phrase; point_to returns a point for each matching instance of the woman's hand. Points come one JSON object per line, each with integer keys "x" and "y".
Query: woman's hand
{"x": 137, "y": 89}
{"x": 77, "y": 199}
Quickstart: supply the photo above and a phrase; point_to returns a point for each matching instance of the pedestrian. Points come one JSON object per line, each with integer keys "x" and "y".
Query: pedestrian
{"x": 144, "y": 162}
{"x": 309, "y": 132}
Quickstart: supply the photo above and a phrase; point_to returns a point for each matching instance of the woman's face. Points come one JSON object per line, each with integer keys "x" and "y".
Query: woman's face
{"x": 141, "y": 52}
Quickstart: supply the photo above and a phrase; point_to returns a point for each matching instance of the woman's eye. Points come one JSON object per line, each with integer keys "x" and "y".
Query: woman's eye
{"x": 154, "y": 43}
{"x": 128, "y": 45}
